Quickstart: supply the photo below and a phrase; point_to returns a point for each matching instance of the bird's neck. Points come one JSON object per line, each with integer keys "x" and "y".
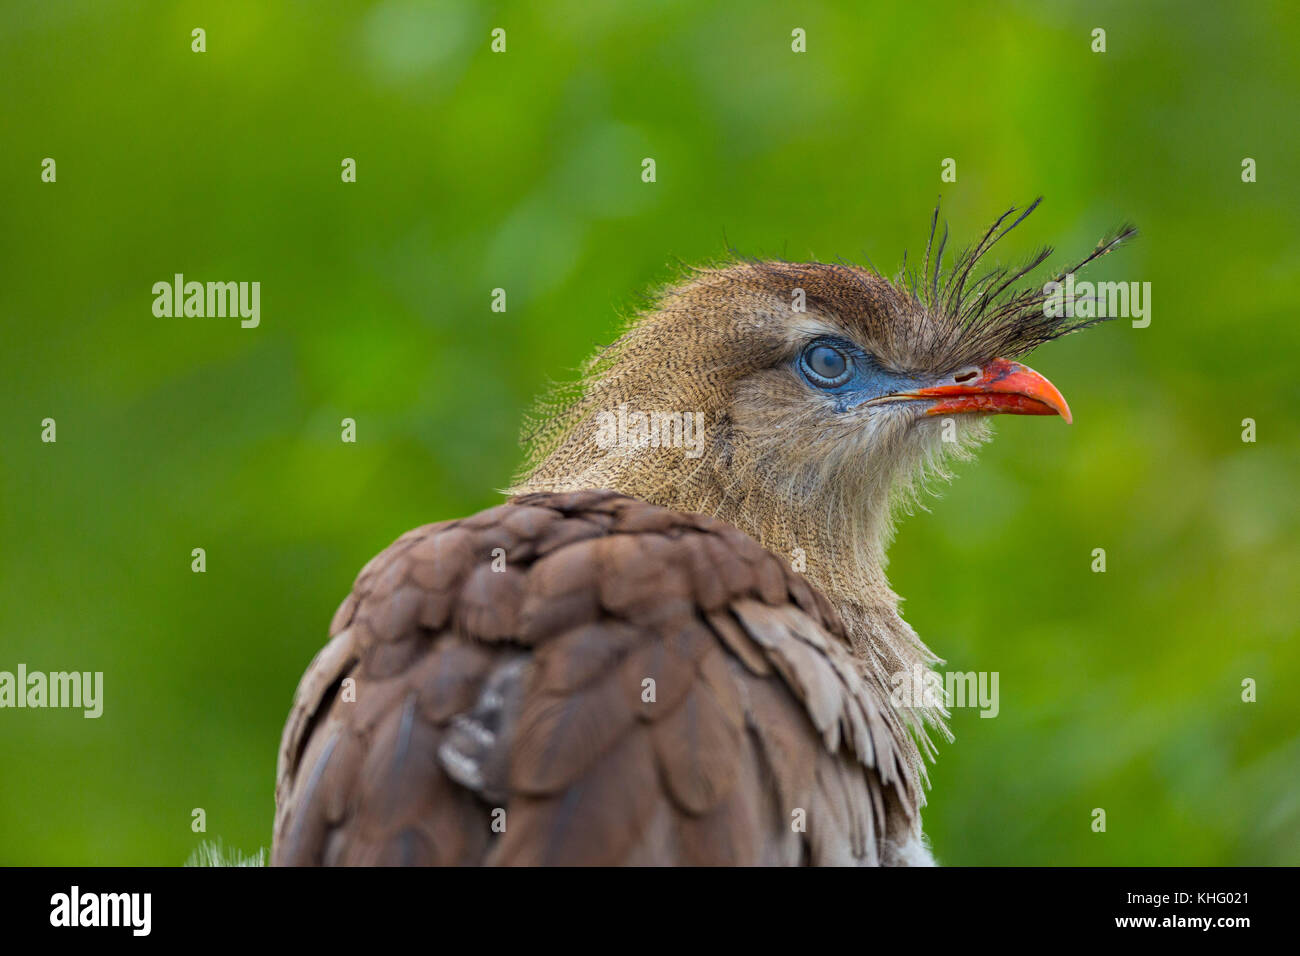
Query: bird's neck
{"x": 840, "y": 549}
{"x": 839, "y": 546}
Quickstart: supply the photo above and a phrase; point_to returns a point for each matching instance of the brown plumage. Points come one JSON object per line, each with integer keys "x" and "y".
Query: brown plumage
{"x": 525, "y": 690}
{"x": 620, "y": 664}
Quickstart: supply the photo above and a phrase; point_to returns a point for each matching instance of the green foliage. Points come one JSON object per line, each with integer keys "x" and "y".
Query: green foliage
{"x": 522, "y": 170}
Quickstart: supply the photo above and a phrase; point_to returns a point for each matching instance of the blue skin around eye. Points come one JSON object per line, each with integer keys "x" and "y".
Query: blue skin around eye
{"x": 867, "y": 381}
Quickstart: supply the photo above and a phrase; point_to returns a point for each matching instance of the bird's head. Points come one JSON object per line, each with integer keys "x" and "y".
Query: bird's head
{"x": 798, "y": 400}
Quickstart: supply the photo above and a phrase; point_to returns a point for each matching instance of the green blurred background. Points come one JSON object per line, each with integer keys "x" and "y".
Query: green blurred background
{"x": 522, "y": 170}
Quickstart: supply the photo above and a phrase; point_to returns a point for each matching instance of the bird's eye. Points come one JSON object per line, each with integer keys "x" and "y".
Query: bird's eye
{"x": 825, "y": 365}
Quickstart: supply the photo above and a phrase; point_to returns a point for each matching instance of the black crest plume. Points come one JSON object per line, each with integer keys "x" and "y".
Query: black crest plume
{"x": 976, "y": 319}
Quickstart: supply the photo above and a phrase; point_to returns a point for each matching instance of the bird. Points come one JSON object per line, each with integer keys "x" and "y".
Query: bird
{"x": 674, "y": 642}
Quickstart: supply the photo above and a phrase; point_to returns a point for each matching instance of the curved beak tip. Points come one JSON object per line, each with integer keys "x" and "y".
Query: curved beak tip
{"x": 1002, "y": 387}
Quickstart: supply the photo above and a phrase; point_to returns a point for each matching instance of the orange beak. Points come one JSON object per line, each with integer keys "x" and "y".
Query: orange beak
{"x": 1001, "y": 387}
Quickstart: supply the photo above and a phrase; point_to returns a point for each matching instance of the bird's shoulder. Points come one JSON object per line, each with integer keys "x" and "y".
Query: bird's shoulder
{"x": 624, "y": 682}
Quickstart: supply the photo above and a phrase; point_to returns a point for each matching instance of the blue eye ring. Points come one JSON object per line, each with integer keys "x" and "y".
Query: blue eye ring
{"x": 826, "y": 364}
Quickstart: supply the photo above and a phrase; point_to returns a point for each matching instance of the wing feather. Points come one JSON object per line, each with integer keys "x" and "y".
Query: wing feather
{"x": 634, "y": 685}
